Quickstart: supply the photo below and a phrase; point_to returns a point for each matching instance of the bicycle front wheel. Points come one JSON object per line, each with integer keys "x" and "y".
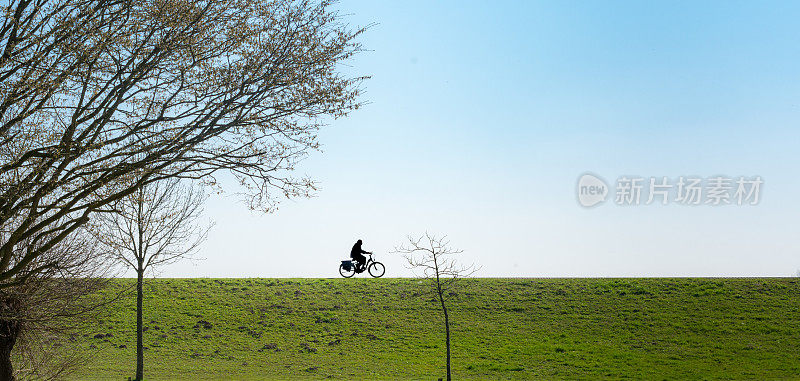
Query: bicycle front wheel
{"x": 376, "y": 269}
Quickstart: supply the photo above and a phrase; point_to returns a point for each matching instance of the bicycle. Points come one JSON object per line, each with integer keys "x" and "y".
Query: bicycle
{"x": 347, "y": 269}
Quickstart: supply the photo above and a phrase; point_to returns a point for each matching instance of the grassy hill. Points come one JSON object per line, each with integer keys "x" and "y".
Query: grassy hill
{"x": 243, "y": 329}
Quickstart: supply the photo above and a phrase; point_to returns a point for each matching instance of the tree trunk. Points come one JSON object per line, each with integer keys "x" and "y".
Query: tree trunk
{"x": 9, "y": 331}
{"x": 446, "y": 332}
{"x": 139, "y": 332}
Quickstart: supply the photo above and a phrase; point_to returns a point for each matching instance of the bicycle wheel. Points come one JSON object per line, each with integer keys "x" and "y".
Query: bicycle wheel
{"x": 376, "y": 269}
{"x": 347, "y": 273}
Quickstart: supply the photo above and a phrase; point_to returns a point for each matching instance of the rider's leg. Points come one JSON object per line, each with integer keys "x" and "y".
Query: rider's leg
{"x": 361, "y": 260}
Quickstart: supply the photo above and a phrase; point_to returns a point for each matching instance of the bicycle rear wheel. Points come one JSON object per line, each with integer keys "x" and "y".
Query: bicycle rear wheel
{"x": 347, "y": 273}
{"x": 376, "y": 269}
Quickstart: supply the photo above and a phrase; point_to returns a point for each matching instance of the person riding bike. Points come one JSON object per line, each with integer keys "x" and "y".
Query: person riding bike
{"x": 357, "y": 253}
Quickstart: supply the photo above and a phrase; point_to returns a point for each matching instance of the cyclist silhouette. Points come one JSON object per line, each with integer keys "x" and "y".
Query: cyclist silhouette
{"x": 357, "y": 253}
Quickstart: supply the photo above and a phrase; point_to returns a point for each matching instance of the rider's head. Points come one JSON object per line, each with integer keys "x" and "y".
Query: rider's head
{"x": 358, "y": 242}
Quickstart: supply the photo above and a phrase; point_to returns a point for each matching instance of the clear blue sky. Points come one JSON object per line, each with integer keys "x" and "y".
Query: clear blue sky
{"x": 482, "y": 116}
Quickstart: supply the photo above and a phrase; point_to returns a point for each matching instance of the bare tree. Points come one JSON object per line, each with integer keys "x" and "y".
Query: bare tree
{"x": 433, "y": 257}
{"x": 156, "y": 225}
{"x": 43, "y": 314}
{"x": 99, "y": 98}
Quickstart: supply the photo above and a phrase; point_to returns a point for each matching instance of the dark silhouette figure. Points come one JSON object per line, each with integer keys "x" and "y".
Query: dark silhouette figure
{"x": 357, "y": 253}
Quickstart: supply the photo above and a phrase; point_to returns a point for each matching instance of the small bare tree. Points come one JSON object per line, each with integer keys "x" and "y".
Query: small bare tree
{"x": 433, "y": 257}
{"x": 156, "y": 225}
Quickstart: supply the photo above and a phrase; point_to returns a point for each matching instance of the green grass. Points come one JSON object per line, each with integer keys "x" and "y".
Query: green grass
{"x": 502, "y": 329}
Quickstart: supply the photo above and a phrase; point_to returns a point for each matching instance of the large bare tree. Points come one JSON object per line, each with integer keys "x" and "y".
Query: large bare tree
{"x": 154, "y": 226}
{"x": 433, "y": 258}
{"x": 101, "y": 97}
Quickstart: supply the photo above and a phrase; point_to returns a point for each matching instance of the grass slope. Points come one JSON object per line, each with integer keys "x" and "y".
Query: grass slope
{"x": 242, "y": 329}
